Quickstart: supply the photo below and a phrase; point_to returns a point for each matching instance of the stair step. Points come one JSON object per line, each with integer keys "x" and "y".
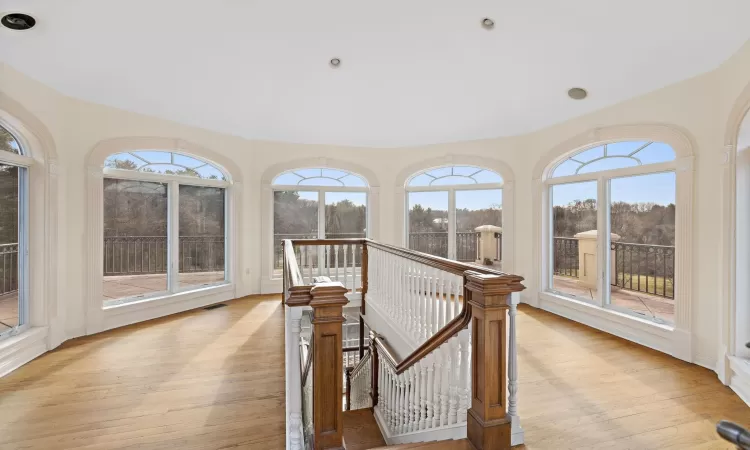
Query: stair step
{"x": 461, "y": 444}
{"x": 361, "y": 432}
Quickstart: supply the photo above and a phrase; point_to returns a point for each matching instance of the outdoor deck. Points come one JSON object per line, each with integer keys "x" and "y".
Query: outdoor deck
{"x": 649, "y": 305}
{"x": 134, "y": 285}
{"x": 8, "y": 311}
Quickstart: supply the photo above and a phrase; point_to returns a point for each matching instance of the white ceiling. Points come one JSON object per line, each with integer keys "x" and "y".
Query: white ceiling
{"x": 413, "y": 71}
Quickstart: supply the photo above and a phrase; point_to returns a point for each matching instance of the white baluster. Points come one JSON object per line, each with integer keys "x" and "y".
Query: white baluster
{"x": 422, "y": 394}
{"x": 444, "y": 383}
{"x": 405, "y": 403}
{"x": 345, "y": 249}
{"x": 412, "y": 298}
{"x": 441, "y": 297}
{"x": 336, "y": 260}
{"x": 457, "y": 296}
{"x": 430, "y": 301}
{"x": 437, "y": 368}
{"x": 414, "y": 423}
{"x": 517, "y": 435}
{"x": 308, "y": 250}
{"x": 453, "y": 389}
{"x": 430, "y": 392}
{"x": 463, "y": 338}
{"x": 354, "y": 268}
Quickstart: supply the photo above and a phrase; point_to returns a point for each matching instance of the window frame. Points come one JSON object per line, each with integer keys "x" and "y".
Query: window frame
{"x": 24, "y": 162}
{"x": 173, "y": 183}
{"x": 321, "y": 191}
{"x": 602, "y": 178}
{"x": 451, "y": 190}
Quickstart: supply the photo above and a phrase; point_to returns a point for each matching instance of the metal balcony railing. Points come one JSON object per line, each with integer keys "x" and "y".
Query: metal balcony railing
{"x": 8, "y": 268}
{"x": 141, "y": 255}
{"x": 635, "y": 267}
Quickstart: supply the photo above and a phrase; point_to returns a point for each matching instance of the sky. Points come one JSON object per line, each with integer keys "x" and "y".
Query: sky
{"x": 478, "y": 199}
{"x": 656, "y": 188}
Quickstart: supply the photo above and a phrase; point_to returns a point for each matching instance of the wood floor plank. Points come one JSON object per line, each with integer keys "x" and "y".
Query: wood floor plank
{"x": 210, "y": 380}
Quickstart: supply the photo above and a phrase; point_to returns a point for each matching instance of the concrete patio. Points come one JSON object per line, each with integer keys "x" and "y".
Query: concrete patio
{"x": 116, "y": 287}
{"x": 651, "y": 306}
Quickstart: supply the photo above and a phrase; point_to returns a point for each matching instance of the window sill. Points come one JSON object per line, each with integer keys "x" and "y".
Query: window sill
{"x": 154, "y": 307}
{"x": 17, "y": 350}
{"x": 641, "y": 331}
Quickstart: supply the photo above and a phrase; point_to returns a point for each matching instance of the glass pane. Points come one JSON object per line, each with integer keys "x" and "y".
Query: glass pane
{"x": 453, "y": 180}
{"x": 487, "y": 176}
{"x": 623, "y": 148}
{"x": 124, "y": 161}
{"x": 613, "y": 162}
{"x": 201, "y": 236}
{"x": 8, "y": 143}
{"x": 295, "y": 216}
{"x": 135, "y": 239}
{"x": 165, "y": 163}
{"x": 655, "y": 153}
{"x": 590, "y": 154}
{"x": 421, "y": 180}
{"x": 475, "y": 209}
{"x": 320, "y": 181}
{"x": 574, "y": 232}
{"x": 642, "y": 249}
{"x": 346, "y": 215}
{"x": 428, "y": 222}
{"x": 566, "y": 168}
{"x": 9, "y": 274}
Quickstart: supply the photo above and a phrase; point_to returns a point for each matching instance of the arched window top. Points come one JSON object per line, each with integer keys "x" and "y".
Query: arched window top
{"x": 167, "y": 163}
{"x": 8, "y": 142}
{"x": 454, "y": 175}
{"x": 320, "y": 177}
{"x": 616, "y": 155}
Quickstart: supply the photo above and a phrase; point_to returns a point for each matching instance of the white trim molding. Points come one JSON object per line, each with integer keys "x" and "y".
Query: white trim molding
{"x": 100, "y": 317}
{"x": 44, "y": 318}
{"x": 733, "y": 359}
{"x": 270, "y": 283}
{"x": 507, "y": 186}
{"x": 676, "y": 340}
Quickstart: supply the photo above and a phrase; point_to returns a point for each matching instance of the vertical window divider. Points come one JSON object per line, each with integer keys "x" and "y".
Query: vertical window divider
{"x": 603, "y": 238}
{"x": 173, "y": 236}
{"x": 452, "y": 223}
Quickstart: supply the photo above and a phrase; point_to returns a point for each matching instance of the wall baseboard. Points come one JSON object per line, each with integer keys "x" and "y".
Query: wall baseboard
{"x": 446, "y": 433}
{"x": 19, "y": 350}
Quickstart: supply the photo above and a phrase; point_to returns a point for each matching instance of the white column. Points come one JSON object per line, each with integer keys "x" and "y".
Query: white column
{"x": 515, "y": 421}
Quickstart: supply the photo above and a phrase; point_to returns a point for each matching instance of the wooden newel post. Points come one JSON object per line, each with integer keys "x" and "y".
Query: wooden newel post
{"x": 489, "y": 425}
{"x": 328, "y": 300}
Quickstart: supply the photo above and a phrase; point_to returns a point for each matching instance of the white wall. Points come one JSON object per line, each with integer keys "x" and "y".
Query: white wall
{"x": 699, "y": 107}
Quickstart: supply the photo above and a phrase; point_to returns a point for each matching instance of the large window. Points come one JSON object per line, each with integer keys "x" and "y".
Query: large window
{"x": 13, "y": 245}
{"x": 317, "y": 203}
{"x": 447, "y": 207}
{"x": 164, "y": 225}
{"x": 612, "y": 228}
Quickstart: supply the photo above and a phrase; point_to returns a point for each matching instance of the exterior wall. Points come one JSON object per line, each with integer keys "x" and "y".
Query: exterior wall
{"x": 700, "y": 107}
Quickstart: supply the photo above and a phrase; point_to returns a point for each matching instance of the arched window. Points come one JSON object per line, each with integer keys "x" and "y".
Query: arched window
{"x": 14, "y": 165}
{"x": 446, "y": 206}
{"x": 318, "y": 203}
{"x": 165, "y": 227}
{"x": 612, "y": 228}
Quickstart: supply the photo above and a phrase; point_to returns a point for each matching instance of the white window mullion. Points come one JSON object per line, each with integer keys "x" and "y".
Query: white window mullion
{"x": 602, "y": 242}
{"x": 452, "y": 224}
{"x": 173, "y": 233}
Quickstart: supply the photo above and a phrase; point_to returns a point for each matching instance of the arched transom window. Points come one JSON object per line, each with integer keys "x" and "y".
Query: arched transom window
{"x": 14, "y": 195}
{"x": 614, "y": 205}
{"x": 447, "y": 207}
{"x": 317, "y": 203}
{"x": 166, "y": 163}
{"x": 617, "y": 155}
{"x": 165, "y": 225}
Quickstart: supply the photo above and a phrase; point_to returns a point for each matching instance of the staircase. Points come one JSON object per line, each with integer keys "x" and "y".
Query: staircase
{"x": 439, "y": 370}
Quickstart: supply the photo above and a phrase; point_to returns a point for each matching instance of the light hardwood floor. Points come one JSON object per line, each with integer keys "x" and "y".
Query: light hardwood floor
{"x": 215, "y": 380}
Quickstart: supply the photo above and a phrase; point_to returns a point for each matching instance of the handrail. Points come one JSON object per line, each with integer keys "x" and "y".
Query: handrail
{"x": 295, "y": 290}
{"x": 444, "y": 264}
{"x": 362, "y": 363}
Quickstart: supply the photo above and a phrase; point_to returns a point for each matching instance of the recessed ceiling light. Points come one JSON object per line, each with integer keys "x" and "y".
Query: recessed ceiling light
{"x": 488, "y": 23}
{"x": 18, "y": 21}
{"x": 577, "y": 93}
{"x": 335, "y": 62}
